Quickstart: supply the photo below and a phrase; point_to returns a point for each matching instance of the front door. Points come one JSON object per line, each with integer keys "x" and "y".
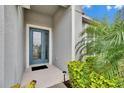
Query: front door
{"x": 38, "y": 46}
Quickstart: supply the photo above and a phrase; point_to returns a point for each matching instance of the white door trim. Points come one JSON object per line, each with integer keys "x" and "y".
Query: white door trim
{"x": 27, "y": 42}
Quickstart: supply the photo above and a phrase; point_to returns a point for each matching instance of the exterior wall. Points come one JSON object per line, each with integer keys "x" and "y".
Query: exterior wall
{"x": 21, "y": 59}
{"x": 13, "y": 45}
{"x": 78, "y": 25}
{"x": 62, "y": 38}
{"x": 61, "y": 24}
{"x": 1, "y": 46}
{"x": 12, "y": 38}
{"x": 38, "y": 19}
{"x": 35, "y": 18}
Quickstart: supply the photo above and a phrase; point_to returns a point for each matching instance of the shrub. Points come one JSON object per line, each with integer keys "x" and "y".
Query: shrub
{"x": 76, "y": 73}
{"x": 98, "y": 81}
{"x": 82, "y": 75}
{"x": 32, "y": 84}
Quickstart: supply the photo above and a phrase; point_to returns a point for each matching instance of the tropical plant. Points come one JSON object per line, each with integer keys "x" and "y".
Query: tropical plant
{"x": 89, "y": 36}
{"x": 120, "y": 14}
{"x": 106, "y": 42}
{"x": 83, "y": 75}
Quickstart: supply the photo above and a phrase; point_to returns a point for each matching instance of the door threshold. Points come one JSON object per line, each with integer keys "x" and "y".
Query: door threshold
{"x": 38, "y": 64}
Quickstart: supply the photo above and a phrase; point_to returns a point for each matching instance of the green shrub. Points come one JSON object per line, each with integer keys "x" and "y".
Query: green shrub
{"x": 98, "y": 81}
{"x": 32, "y": 84}
{"x": 82, "y": 75}
{"x": 76, "y": 72}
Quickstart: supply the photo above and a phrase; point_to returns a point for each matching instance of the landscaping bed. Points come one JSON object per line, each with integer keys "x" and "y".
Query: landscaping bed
{"x": 84, "y": 75}
{"x": 67, "y": 84}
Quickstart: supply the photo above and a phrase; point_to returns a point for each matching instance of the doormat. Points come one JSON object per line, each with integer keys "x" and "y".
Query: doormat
{"x": 39, "y": 67}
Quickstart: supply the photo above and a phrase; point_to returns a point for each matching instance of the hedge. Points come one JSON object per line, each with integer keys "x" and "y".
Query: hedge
{"x": 82, "y": 75}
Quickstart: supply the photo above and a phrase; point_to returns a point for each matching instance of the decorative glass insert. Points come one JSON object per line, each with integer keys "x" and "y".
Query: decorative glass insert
{"x": 37, "y": 45}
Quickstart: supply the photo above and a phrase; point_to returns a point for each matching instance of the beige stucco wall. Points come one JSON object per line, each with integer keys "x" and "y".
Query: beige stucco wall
{"x": 13, "y": 45}
{"x": 13, "y": 37}
{"x": 62, "y": 31}
{"x": 1, "y": 46}
{"x": 79, "y": 26}
{"x": 34, "y": 18}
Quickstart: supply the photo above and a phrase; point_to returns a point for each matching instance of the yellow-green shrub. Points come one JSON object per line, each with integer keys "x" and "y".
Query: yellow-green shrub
{"x": 32, "y": 84}
{"x": 82, "y": 75}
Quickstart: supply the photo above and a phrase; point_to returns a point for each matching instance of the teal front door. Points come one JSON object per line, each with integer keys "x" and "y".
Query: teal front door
{"x": 38, "y": 46}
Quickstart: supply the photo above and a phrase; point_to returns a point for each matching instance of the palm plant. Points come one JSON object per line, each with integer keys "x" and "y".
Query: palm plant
{"x": 88, "y": 40}
{"x": 106, "y": 42}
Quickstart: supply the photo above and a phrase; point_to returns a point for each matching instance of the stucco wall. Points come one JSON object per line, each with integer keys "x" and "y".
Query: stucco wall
{"x": 78, "y": 25}
{"x": 62, "y": 38}
{"x": 39, "y": 19}
{"x": 13, "y": 45}
{"x": 1, "y": 46}
{"x": 61, "y": 31}
{"x": 21, "y": 56}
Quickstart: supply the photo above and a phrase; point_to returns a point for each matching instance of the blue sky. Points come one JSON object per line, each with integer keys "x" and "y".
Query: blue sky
{"x": 101, "y": 11}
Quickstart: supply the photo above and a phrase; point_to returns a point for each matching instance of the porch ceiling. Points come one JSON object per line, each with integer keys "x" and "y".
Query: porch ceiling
{"x": 45, "y": 9}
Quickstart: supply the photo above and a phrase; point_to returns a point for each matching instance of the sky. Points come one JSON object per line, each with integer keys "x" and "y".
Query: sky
{"x": 100, "y": 12}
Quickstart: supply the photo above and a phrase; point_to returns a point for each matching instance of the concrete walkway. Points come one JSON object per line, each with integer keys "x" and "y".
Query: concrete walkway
{"x": 60, "y": 85}
{"x": 45, "y": 77}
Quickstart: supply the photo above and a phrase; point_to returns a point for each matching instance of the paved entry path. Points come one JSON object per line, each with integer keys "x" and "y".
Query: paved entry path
{"x": 45, "y": 77}
{"x": 60, "y": 85}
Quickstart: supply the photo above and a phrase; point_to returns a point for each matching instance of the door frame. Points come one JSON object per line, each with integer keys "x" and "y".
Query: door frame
{"x": 27, "y": 42}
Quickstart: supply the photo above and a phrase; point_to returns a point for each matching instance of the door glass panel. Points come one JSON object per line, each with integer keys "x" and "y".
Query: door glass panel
{"x": 37, "y": 45}
{"x": 46, "y": 45}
